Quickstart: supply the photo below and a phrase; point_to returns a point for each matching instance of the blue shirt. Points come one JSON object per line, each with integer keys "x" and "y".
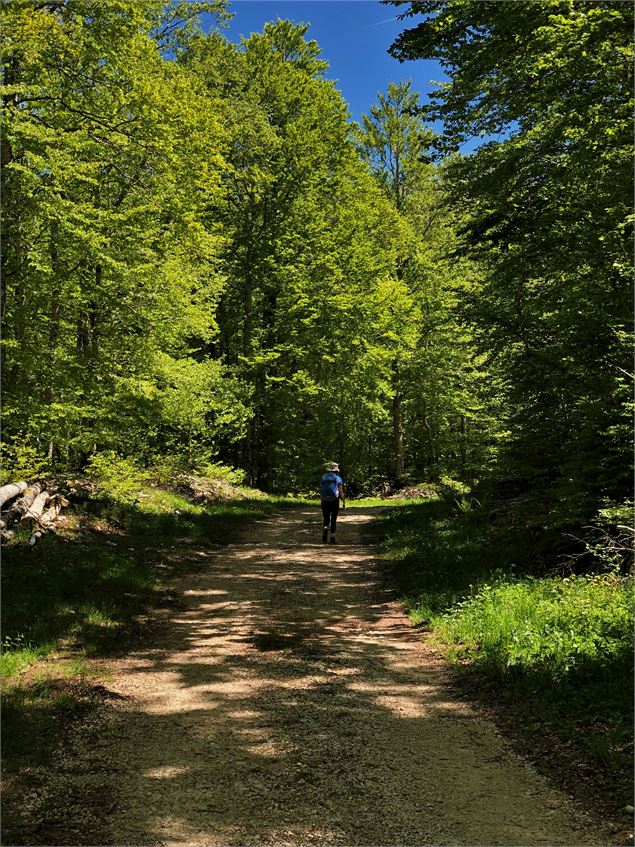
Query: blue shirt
{"x": 329, "y": 485}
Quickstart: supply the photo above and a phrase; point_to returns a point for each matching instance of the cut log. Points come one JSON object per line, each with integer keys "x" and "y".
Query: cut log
{"x": 34, "y": 512}
{"x": 50, "y": 516}
{"x": 8, "y": 492}
{"x": 21, "y": 506}
{"x": 54, "y": 508}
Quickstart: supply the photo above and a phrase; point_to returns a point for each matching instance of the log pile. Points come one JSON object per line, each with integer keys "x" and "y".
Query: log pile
{"x": 38, "y": 508}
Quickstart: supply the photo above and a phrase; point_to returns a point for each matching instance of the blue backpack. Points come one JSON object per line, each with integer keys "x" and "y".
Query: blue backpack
{"x": 328, "y": 486}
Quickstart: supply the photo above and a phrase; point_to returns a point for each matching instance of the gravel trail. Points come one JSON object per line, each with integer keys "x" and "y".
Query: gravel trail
{"x": 288, "y": 701}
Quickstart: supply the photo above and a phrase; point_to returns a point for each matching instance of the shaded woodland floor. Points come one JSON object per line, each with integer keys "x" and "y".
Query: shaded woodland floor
{"x": 285, "y": 698}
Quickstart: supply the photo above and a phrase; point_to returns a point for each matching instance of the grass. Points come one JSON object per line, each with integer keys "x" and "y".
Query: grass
{"x": 556, "y": 653}
{"x": 437, "y": 560}
{"x": 551, "y": 626}
{"x": 368, "y": 502}
{"x": 82, "y": 595}
{"x": 86, "y": 589}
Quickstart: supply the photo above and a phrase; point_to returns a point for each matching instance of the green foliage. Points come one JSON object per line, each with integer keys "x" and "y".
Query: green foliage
{"x": 557, "y": 652}
{"x": 21, "y": 461}
{"x": 555, "y": 626}
{"x": 167, "y": 469}
{"x": 436, "y": 554}
{"x": 110, "y": 154}
{"x": 213, "y": 470}
{"x": 204, "y": 259}
{"x": 118, "y": 479}
{"x": 443, "y": 405}
{"x": 449, "y": 487}
{"x": 616, "y": 513}
{"x": 18, "y": 653}
{"x": 546, "y": 210}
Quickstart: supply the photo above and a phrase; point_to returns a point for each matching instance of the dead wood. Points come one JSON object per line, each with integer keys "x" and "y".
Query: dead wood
{"x": 21, "y": 506}
{"x": 34, "y": 512}
{"x": 11, "y": 490}
{"x": 55, "y": 505}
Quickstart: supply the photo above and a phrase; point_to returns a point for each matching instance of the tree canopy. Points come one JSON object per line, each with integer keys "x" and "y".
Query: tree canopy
{"x": 205, "y": 260}
{"x": 547, "y": 216}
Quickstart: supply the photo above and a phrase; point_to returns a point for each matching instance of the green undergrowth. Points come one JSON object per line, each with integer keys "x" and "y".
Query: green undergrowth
{"x": 371, "y": 502}
{"x": 87, "y": 588}
{"x": 83, "y": 595}
{"x": 555, "y": 652}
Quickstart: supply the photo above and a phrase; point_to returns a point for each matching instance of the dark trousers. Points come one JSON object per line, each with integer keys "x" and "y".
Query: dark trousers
{"x": 330, "y": 509}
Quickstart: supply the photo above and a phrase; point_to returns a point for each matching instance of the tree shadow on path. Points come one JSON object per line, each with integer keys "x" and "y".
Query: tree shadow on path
{"x": 288, "y": 701}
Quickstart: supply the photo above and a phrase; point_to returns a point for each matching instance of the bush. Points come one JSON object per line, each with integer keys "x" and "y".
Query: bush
{"x": 168, "y": 469}
{"x": 118, "y": 479}
{"x": 21, "y": 461}
{"x": 554, "y": 626}
{"x": 211, "y": 470}
{"x": 452, "y": 489}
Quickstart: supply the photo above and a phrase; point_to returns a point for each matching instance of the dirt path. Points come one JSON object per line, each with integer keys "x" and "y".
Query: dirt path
{"x": 288, "y": 701}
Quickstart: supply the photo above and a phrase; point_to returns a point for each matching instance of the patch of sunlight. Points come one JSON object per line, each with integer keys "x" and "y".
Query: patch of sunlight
{"x": 165, "y": 700}
{"x": 203, "y": 592}
{"x": 258, "y": 743}
{"x": 180, "y": 832}
{"x": 245, "y": 714}
{"x": 303, "y": 834}
{"x": 264, "y": 749}
{"x": 166, "y": 771}
{"x": 402, "y": 706}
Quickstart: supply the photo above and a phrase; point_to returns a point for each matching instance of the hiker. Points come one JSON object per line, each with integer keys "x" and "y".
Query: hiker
{"x": 331, "y": 492}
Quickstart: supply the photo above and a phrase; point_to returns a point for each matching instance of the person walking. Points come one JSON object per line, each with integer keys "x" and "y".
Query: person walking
{"x": 331, "y": 492}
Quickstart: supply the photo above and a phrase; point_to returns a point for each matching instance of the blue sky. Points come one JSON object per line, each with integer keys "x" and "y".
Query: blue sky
{"x": 354, "y": 36}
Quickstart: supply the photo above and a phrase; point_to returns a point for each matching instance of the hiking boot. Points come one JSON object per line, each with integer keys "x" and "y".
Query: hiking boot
{"x": 325, "y": 535}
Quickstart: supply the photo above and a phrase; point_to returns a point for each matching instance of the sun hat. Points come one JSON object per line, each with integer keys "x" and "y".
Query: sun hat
{"x": 332, "y": 466}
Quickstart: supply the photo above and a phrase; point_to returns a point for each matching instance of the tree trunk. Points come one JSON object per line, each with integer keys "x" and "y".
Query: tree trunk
{"x": 55, "y": 310}
{"x": 8, "y": 240}
{"x": 397, "y": 425}
{"x": 54, "y": 322}
{"x": 248, "y": 318}
{"x": 341, "y": 448}
{"x": 432, "y": 453}
{"x": 463, "y": 446}
{"x": 93, "y": 318}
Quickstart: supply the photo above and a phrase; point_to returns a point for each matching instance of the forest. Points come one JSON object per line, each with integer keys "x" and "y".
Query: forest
{"x": 204, "y": 261}
{"x": 211, "y": 272}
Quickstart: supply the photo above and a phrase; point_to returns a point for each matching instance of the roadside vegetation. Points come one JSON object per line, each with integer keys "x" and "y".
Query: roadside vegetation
{"x": 543, "y": 639}
{"x": 84, "y": 594}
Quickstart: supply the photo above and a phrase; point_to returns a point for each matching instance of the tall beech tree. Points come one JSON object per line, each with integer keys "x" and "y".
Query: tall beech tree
{"x": 438, "y": 399}
{"x": 109, "y": 154}
{"x": 309, "y": 262}
{"x": 546, "y": 213}
{"x": 394, "y": 141}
